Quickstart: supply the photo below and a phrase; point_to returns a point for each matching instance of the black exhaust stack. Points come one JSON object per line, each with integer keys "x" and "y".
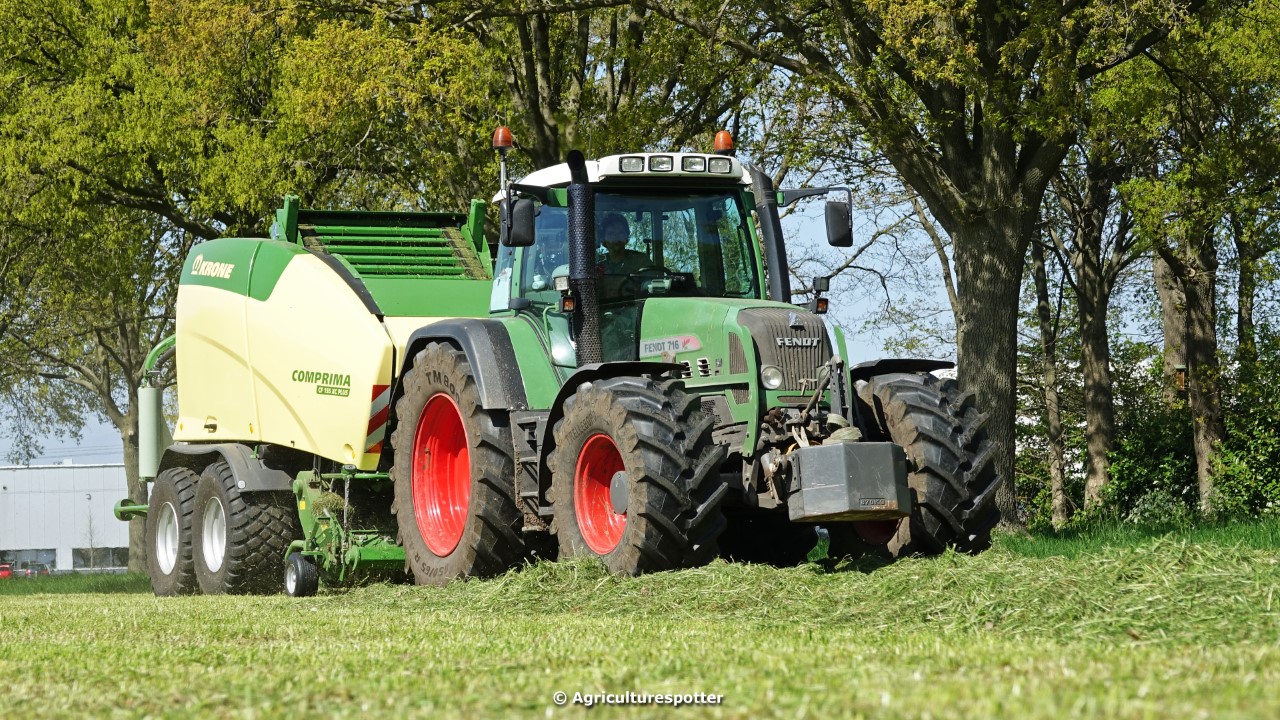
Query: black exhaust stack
{"x": 582, "y": 262}
{"x": 775, "y": 255}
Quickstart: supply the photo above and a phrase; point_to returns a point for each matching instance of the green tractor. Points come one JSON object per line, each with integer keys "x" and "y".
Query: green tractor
{"x": 629, "y": 382}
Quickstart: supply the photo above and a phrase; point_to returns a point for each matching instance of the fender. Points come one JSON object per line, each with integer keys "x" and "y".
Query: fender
{"x": 884, "y": 366}
{"x": 488, "y": 348}
{"x": 585, "y": 374}
{"x": 250, "y": 474}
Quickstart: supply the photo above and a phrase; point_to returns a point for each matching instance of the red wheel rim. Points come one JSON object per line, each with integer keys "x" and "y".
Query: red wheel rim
{"x": 441, "y": 475}
{"x": 601, "y": 527}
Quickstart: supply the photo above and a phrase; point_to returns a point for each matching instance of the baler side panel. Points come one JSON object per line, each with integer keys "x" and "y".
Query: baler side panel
{"x": 215, "y": 388}
{"x": 319, "y": 361}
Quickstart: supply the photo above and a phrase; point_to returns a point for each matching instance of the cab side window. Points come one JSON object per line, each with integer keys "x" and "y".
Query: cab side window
{"x": 549, "y": 252}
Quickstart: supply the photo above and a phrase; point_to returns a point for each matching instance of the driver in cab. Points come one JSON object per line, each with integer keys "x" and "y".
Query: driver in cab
{"x": 619, "y": 262}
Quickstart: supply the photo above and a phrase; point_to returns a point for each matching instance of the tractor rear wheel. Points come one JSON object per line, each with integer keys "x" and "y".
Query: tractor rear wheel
{"x": 950, "y": 471}
{"x": 241, "y": 537}
{"x": 169, "y": 513}
{"x": 634, "y": 477}
{"x": 454, "y": 474}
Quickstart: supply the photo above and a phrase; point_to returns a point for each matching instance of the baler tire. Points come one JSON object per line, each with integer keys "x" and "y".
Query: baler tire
{"x": 257, "y": 530}
{"x": 950, "y": 468}
{"x": 655, "y": 433}
{"x": 174, "y": 492}
{"x": 301, "y": 576}
{"x": 482, "y": 536}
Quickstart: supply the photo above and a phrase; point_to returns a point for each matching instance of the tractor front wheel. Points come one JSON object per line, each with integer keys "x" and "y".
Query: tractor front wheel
{"x": 950, "y": 470}
{"x": 454, "y": 474}
{"x": 634, "y": 477}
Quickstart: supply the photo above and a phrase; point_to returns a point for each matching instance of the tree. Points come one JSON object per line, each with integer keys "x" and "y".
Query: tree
{"x": 1095, "y": 249}
{"x": 88, "y": 325}
{"x": 975, "y": 106}
{"x": 1048, "y": 322}
{"x": 1209, "y": 103}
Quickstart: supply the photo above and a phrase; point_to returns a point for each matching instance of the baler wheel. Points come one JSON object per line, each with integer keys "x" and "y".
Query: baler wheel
{"x": 454, "y": 474}
{"x": 301, "y": 577}
{"x": 656, "y": 437}
{"x": 240, "y": 537}
{"x": 169, "y": 562}
{"x": 950, "y": 470}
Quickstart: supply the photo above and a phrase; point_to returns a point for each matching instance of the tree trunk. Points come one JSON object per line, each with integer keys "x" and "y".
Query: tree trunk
{"x": 1203, "y": 372}
{"x": 127, "y": 425}
{"x": 989, "y": 263}
{"x": 1088, "y": 205}
{"x": 1173, "y": 323}
{"x": 1061, "y": 511}
{"x": 138, "y": 494}
{"x": 1099, "y": 405}
{"x": 1246, "y": 289}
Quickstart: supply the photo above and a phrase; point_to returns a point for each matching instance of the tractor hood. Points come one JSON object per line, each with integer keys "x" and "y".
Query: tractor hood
{"x": 729, "y": 340}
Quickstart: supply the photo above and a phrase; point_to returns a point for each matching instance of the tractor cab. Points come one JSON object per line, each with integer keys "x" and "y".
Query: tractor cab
{"x": 683, "y": 232}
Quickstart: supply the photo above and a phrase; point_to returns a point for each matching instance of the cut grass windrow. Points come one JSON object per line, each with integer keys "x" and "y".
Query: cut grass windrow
{"x": 1156, "y": 627}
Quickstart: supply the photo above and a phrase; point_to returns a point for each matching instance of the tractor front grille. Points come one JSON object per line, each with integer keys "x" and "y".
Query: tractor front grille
{"x": 779, "y": 334}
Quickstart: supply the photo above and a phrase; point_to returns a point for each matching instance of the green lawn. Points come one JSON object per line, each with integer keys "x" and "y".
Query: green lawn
{"x": 1180, "y": 625}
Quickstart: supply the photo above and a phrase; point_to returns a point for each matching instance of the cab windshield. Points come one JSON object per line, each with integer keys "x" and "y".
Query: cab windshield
{"x": 651, "y": 245}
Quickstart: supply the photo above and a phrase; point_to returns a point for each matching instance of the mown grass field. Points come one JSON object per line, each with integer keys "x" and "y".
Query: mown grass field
{"x": 1110, "y": 623}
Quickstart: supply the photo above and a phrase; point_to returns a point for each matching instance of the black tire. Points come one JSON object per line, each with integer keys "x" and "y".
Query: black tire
{"x": 257, "y": 527}
{"x": 949, "y": 461}
{"x": 480, "y": 536}
{"x": 301, "y": 577}
{"x": 768, "y": 539}
{"x": 673, "y": 515}
{"x": 168, "y": 528}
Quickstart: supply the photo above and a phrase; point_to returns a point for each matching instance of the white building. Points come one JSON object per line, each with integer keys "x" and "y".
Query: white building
{"x": 61, "y": 515}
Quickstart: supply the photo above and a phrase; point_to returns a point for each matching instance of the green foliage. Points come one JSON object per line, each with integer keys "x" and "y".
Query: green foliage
{"x": 1249, "y": 476}
{"x": 1153, "y": 475}
{"x": 130, "y": 130}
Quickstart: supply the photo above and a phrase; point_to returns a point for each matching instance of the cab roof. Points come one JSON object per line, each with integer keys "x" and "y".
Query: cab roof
{"x": 630, "y": 167}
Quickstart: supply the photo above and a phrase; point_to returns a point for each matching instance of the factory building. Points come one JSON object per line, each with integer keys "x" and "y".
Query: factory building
{"x": 60, "y": 515}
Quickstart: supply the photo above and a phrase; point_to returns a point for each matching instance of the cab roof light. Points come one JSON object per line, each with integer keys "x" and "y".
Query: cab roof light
{"x": 631, "y": 163}
{"x": 661, "y": 163}
{"x": 720, "y": 165}
{"x": 694, "y": 163}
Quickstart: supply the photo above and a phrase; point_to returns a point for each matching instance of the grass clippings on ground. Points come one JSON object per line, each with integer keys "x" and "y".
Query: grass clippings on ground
{"x": 1173, "y": 625}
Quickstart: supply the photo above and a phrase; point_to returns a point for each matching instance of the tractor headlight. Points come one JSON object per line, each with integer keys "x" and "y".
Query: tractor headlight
{"x": 771, "y": 376}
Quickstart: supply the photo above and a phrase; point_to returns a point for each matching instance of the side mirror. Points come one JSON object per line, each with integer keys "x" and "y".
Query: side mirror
{"x": 520, "y": 233}
{"x": 839, "y": 224}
